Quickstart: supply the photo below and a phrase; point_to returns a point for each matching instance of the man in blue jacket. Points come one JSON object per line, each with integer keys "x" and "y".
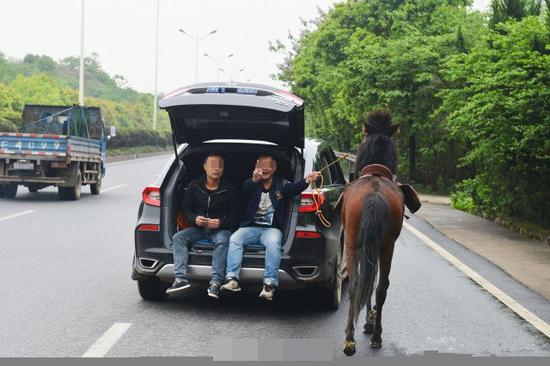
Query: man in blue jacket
{"x": 262, "y": 222}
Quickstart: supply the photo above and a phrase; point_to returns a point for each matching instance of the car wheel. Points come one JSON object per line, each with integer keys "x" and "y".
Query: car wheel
{"x": 330, "y": 296}
{"x": 95, "y": 188}
{"x": 32, "y": 189}
{"x": 10, "y": 190}
{"x": 152, "y": 289}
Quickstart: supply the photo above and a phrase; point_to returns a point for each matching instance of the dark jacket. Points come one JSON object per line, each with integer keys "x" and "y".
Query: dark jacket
{"x": 279, "y": 191}
{"x": 223, "y": 204}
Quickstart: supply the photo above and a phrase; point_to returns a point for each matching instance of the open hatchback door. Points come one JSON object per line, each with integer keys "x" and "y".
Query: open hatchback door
{"x": 205, "y": 112}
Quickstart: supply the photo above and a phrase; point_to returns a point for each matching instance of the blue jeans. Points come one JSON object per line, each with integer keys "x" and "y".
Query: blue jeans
{"x": 183, "y": 240}
{"x": 270, "y": 238}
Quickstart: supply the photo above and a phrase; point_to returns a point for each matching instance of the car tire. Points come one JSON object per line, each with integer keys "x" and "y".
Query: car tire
{"x": 152, "y": 289}
{"x": 71, "y": 193}
{"x": 32, "y": 189}
{"x": 10, "y": 190}
{"x": 330, "y": 296}
{"x": 95, "y": 188}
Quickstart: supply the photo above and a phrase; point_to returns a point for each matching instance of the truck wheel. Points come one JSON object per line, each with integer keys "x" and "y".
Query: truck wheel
{"x": 95, "y": 188}
{"x": 10, "y": 190}
{"x": 152, "y": 289}
{"x": 32, "y": 189}
{"x": 1, "y": 191}
{"x": 71, "y": 193}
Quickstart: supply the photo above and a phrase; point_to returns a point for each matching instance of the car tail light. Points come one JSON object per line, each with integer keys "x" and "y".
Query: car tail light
{"x": 307, "y": 235}
{"x": 151, "y": 195}
{"x": 148, "y": 227}
{"x": 308, "y": 201}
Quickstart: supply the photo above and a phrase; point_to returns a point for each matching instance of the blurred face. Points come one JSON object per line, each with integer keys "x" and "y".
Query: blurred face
{"x": 213, "y": 167}
{"x": 268, "y": 166}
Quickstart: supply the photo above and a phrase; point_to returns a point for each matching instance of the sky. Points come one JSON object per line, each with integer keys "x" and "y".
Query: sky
{"x": 122, "y": 33}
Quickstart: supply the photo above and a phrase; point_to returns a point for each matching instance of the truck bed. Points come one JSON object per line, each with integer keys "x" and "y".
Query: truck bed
{"x": 31, "y": 146}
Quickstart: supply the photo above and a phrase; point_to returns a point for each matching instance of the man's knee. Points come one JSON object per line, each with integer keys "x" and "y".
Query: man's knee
{"x": 272, "y": 239}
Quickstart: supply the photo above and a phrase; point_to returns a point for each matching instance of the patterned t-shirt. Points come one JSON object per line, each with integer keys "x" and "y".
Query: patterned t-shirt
{"x": 265, "y": 211}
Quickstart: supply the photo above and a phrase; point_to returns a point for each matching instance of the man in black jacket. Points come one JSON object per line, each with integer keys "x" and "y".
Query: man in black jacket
{"x": 210, "y": 206}
{"x": 262, "y": 222}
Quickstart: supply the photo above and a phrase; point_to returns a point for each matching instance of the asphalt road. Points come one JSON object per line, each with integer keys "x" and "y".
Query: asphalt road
{"x": 65, "y": 280}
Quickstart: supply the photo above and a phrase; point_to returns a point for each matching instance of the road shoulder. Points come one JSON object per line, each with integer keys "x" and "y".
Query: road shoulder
{"x": 528, "y": 261}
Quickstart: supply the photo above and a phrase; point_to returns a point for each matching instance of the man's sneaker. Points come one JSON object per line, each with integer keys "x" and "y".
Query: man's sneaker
{"x": 179, "y": 285}
{"x": 214, "y": 290}
{"x": 267, "y": 292}
{"x": 231, "y": 285}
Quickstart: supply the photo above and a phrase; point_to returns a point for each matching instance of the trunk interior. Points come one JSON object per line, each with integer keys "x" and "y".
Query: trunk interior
{"x": 239, "y": 163}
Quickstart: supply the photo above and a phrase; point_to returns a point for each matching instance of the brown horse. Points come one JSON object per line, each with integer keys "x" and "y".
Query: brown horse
{"x": 372, "y": 215}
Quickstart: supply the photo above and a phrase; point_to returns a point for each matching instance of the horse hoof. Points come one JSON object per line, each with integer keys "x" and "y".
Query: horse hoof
{"x": 369, "y": 328}
{"x": 376, "y": 344}
{"x": 349, "y": 348}
{"x": 371, "y": 316}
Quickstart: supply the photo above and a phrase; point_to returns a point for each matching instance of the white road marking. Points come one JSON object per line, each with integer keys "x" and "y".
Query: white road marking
{"x": 102, "y": 346}
{"x": 113, "y": 188}
{"x": 535, "y": 321}
{"x": 16, "y": 215}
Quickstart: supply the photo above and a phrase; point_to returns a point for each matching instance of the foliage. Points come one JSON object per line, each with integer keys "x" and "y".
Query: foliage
{"x": 499, "y": 104}
{"x": 41, "y": 80}
{"x": 472, "y": 98}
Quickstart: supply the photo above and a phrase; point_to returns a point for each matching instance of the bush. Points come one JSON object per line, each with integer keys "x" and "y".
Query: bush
{"x": 140, "y": 137}
{"x": 462, "y": 196}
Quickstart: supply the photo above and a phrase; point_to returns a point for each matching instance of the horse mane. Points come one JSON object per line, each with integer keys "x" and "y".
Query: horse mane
{"x": 377, "y": 147}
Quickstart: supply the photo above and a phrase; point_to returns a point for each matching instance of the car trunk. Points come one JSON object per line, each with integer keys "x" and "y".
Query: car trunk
{"x": 240, "y": 159}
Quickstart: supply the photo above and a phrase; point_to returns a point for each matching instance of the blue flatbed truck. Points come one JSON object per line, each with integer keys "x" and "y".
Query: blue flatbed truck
{"x": 63, "y": 146}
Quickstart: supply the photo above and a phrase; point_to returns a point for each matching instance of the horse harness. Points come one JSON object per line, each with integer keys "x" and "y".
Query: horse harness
{"x": 411, "y": 199}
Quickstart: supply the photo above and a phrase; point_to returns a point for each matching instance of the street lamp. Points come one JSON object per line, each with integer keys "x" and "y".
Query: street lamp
{"x": 231, "y": 74}
{"x": 155, "y": 98}
{"x": 81, "y": 72}
{"x": 197, "y": 38}
{"x": 218, "y": 62}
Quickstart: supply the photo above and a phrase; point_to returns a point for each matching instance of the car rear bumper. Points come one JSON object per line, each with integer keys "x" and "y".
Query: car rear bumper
{"x": 290, "y": 276}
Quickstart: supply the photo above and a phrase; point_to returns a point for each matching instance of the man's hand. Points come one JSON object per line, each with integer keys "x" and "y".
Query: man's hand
{"x": 213, "y": 223}
{"x": 257, "y": 175}
{"x": 201, "y": 221}
{"x": 311, "y": 177}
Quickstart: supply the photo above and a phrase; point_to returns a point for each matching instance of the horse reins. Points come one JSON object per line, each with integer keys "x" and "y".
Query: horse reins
{"x": 326, "y": 223}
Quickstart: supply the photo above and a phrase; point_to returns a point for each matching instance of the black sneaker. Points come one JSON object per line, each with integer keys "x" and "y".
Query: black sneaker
{"x": 267, "y": 292}
{"x": 231, "y": 285}
{"x": 179, "y": 285}
{"x": 214, "y": 290}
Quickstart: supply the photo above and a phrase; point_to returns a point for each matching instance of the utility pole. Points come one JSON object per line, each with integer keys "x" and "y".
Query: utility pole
{"x": 81, "y": 76}
{"x": 155, "y": 98}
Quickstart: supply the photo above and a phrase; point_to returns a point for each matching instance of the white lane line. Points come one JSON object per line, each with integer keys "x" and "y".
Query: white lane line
{"x": 113, "y": 188}
{"x": 535, "y": 321}
{"x": 102, "y": 346}
{"x": 16, "y": 215}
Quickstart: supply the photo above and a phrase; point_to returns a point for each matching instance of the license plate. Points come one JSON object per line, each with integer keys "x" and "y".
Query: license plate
{"x": 23, "y": 166}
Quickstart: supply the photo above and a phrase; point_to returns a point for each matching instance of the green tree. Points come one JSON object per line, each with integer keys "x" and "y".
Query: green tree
{"x": 498, "y": 104}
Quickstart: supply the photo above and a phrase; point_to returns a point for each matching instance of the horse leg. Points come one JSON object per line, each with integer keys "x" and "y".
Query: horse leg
{"x": 381, "y": 291}
{"x": 349, "y": 344}
{"x": 371, "y": 315}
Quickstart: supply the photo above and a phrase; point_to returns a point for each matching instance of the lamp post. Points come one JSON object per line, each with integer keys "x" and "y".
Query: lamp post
{"x": 218, "y": 62}
{"x": 155, "y": 98}
{"x": 81, "y": 72}
{"x": 231, "y": 74}
{"x": 197, "y": 38}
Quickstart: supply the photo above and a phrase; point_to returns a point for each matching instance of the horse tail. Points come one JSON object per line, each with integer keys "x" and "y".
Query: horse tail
{"x": 372, "y": 231}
